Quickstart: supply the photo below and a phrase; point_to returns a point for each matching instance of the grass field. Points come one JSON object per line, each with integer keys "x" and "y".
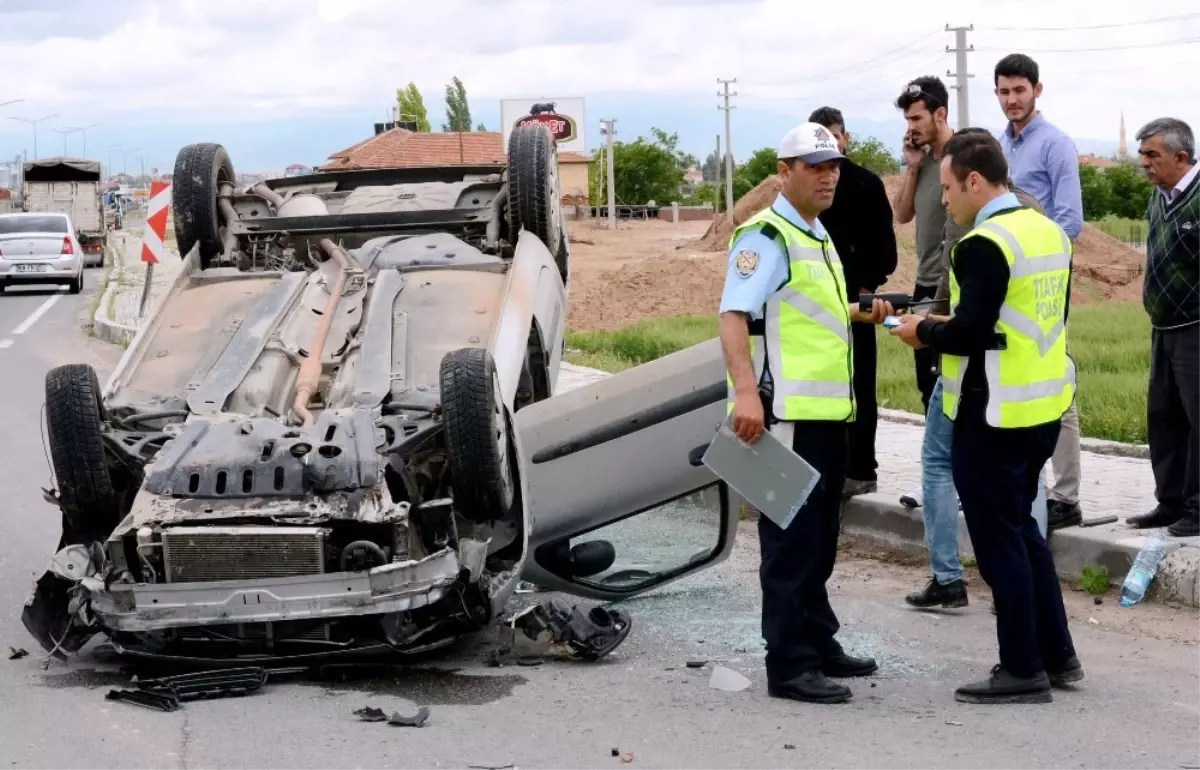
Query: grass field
{"x": 1128, "y": 230}
{"x": 1110, "y": 344}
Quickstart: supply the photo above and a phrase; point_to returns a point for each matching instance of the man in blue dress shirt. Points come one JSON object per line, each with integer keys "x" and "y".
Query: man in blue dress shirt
{"x": 1043, "y": 161}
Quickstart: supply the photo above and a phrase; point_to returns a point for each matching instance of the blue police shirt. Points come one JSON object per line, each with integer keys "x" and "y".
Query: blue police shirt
{"x": 758, "y": 265}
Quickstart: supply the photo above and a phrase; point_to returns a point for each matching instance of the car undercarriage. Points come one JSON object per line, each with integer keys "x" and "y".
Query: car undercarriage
{"x": 335, "y": 433}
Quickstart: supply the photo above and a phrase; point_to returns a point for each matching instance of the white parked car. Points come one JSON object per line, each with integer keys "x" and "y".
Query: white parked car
{"x": 40, "y": 248}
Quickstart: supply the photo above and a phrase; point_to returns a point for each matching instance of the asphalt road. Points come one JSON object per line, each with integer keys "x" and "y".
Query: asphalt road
{"x": 1138, "y": 707}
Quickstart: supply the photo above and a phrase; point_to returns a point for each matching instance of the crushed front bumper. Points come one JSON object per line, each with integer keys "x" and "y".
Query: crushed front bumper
{"x": 390, "y": 588}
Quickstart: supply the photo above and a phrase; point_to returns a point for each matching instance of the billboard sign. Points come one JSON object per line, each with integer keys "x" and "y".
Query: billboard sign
{"x": 565, "y": 117}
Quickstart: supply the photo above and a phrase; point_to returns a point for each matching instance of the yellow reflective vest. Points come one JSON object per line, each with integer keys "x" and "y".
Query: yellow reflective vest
{"x": 803, "y": 339}
{"x": 1031, "y": 381}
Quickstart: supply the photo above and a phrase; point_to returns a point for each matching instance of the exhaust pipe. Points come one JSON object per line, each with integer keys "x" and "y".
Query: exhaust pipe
{"x": 309, "y": 377}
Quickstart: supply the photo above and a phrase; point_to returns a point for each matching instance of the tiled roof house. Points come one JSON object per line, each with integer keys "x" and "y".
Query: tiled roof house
{"x": 401, "y": 148}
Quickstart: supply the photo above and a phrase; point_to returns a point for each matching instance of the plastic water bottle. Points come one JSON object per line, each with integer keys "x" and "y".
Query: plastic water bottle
{"x": 1142, "y": 572}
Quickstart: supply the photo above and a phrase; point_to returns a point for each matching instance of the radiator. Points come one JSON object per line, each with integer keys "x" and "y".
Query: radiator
{"x": 195, "y": 554}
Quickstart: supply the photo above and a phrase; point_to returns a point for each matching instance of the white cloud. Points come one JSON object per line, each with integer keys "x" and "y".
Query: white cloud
{"x": 225, "y": 60}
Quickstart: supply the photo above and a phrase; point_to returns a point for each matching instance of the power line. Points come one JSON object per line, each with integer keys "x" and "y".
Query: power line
{"x": 864, "y": 66}
{"x": 858, "y": 88}
{"x": 1180, "y": 17}
{"x": 1185, "y": 41}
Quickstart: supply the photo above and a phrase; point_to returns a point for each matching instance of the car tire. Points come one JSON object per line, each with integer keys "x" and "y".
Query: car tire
{"x": 534, "y": 202}
{"x": 200, "y": 170}
{"x": 74, "y": 420}
{"x": 76, "y": 284}
{"x": 479, "y": 447}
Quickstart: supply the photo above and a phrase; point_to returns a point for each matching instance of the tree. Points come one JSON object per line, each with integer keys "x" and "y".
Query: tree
{"x": 643, "y": 171}
{"x": 710, "y": 168}
{"x": 670, "y": 143}
{"x": 705, "y": 193}
{"x": 1097, "y": 193}
{"x": 750, "y": 174}
{"x": 481, "y": 127}
{"x": 458, "y": 112}
{"x": 1129, "y": 191}
{"x": 873, "y": 155}
{"x": 412, "y": 106}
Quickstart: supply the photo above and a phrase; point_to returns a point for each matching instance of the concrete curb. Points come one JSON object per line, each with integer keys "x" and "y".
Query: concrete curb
{"x": 102, "y": 326}
{"x": 889, "y": 525}
{"x": 1097, "y": 445}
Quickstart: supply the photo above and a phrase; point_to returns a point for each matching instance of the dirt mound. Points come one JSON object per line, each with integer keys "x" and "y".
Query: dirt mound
{"x": 717, "y": 237}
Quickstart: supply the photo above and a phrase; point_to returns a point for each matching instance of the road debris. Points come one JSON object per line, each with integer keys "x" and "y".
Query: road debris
{"x": 727, "y": 679}
{"x": 626, "y": 757}
{"x": 555, "y": 629}
{"x": 952, "y": 723}
{"x": 790, "y": 746}
{"x": 16, "y": 653}
{"x": 372, "y": 714}
{"x": 697, "y": 663}
{"x": 167, "y": 693}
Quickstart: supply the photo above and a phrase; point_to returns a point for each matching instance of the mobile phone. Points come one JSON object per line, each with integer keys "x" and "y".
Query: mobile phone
{"x": 892, "y": 321}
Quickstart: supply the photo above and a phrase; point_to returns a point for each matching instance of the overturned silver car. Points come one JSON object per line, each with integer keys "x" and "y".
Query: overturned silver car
{"x": 337, "y": 432}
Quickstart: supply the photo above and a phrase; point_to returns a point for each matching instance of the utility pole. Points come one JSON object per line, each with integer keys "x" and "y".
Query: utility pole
{"x": 960, "y": 51}
{"x": 717, "y": 181}
{"x": 728, "y": 143}
{"x": 606, "y": 128}
{"x": 110, "y": 148}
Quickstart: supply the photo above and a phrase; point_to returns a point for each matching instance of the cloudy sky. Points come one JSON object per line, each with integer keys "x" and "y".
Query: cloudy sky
{"x": 282, "y": 81}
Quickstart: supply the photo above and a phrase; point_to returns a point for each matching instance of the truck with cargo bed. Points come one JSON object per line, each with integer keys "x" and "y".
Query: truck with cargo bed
{"x": 69, "y": 186}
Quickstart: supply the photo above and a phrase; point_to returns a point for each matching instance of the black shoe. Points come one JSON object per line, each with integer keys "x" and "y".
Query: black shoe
{"x": 810, "y": 687}
{"x": 1060, "y": 514}
{"x": 1159, "y": 517}
{"x": 1003, "y": 687}
{"x": 855, "y": 487}
{"x": 1185, "y": 527}
{"x": 947, "y": 595}
{"x": 1072, "y": 671}
{"x": 843, "y": 666}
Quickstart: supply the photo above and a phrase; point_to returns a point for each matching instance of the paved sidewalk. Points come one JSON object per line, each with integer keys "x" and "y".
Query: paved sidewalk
{"x": 116, "y": 318}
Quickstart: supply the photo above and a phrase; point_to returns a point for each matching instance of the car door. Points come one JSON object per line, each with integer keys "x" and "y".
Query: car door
{"x": 617, "y": 499}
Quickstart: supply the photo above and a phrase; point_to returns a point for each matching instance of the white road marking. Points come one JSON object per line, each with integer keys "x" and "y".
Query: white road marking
{"x": 41, "y": 311}
{"x": 5, "y": 344}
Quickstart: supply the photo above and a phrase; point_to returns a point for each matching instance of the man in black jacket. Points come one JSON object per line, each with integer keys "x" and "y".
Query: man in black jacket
{"x": 860, "y": 224}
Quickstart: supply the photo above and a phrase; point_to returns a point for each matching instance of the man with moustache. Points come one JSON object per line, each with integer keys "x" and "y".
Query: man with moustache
{"x": 1043, "y": 160}
{"x": 1171, "y": 295}
{"x": 785, "y": 333}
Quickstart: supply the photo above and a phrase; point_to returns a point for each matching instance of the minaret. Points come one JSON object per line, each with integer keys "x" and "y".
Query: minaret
{"x": 1122, "y": 150}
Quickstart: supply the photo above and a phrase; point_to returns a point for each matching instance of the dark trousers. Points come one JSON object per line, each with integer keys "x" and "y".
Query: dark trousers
{"x": 797, "y": 622}
{"x": 862, "y": 465}
{"x": 925, "y": 360}
{"x": 996, "y": 475}
{"x": 1173, "y": 412}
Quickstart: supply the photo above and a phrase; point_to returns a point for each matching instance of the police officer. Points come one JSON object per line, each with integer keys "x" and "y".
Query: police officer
{"x": 1007, "y": 381}
{"x": 785, "y": 333}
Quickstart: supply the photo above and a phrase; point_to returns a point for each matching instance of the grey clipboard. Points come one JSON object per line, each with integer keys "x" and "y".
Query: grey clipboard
{"x": 767, "y": 473}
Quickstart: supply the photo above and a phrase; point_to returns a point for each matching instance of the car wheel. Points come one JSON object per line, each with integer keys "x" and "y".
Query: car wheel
{"x": 479, "y": 447}
{"x": 534, "y": 202}
{"x": 74, "y": 420}
{"x": 76, "y": 284}
{"x": 200, "y": 170}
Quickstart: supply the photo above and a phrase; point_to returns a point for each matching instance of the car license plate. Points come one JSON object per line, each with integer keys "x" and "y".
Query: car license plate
{"x": 31, "y": 268}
